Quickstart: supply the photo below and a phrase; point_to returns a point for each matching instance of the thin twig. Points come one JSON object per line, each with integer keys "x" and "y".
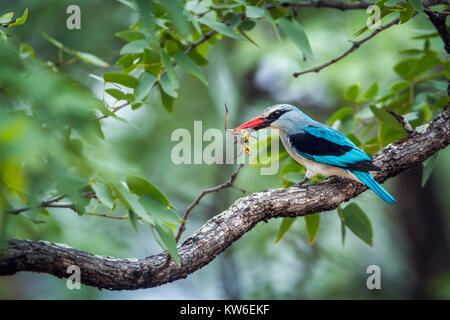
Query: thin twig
{"x": 361, "y": 5}
{"x": 324, "y": 4}
{"x": 51, "y": 203}
{"x": 225, "y": 185}
{"x": 354, "y": 46}
{"x": 125, "y": 217}
{"x": 114, "y": 110}
{"x": 228, "y": 184}
{"x": 445, "y": 13}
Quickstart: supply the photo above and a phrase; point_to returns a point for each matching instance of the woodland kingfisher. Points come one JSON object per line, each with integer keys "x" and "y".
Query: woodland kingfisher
{"x": 319, "y": 148}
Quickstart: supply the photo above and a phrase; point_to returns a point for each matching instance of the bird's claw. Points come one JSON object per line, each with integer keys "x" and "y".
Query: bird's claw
{"x": 301, "y": 183}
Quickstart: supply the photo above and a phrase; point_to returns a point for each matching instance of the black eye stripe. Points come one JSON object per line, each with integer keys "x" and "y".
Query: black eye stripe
{"x": 276, "y": 114}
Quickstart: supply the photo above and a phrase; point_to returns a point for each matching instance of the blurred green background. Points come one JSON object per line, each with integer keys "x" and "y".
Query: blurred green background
{"x": 411, "y": 242}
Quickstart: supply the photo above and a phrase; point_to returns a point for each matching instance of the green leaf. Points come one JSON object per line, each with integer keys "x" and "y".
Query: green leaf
{"x": 385, "y": 116}
{"x": 411, "y": 51}
{"x": 126, "y": 61}
{"x": 254, "y": 12}
{"x": 141, "y": 186}
{"x": 354, "y": 139}
{"x": 130, "y": 4}
{"x": 168, "y": 239}
{"x": 235, "y": 20}
{"x": 79, "y": 203}
{"x": 136, "y": 105}
{"x": 442, "y": 102}
{"x": 130, "y": 35}
{"x": 352, "y": 92}
{"x": 116, "y": 93}
{"x": 166, "y": 100}
{"x": 371, "y": 92}
{"x": 133, "y": 220}
{"x": 388, "y": 134}
{"x": 159, "y": 210}
{"x": 30, "y": 217}
{"x": 20, "y": 20}
{"x": 104, "y": 194}
{"x": 4, "y": 36}
{"x": 429, "y": 61}
{"x": 90, "y": 58}
{"x": 169, "y": 68}
{"x": 248, "y": 25}
{"x": 6, "y": 17}
{"x": 296, "y": 34}
{"x": 241, "y": 31}
{"x": 272, "y": 23}
{"x": 189, "y": 65}
{"x": 312, "y": 226}
{"x": 174, "y": 9}
{"x": 343, "y": 228}
{"x": 384, "y": 12}
{"x": 171, "y": 47}
{"x": 428, "y": 166}
{"x": 284, "y": 227}
{"x": 427, "y": 36}
{"x": 44, "y": 211}
{"x": 406, "y": 15}
{"x": 358, "y": 223}
{"x": 55, "y": 42}
{"x": 26, "y": 51}
{"x": 418, "y": 5}
{"x": 136, "y": 46}
{"x": 131, "y": 202}
{"x": 399, "y": 86}
{"x": 447, "y": 68}
{"x": 145, "y": 86}
{"x": 221, "y": 28}
{"x": 83, "y": 56}
{"x": 411, "y": 68}
{"x": 339, "y": 115}
{"x": 168, "y": 87}
{"x": 120, "y": 78}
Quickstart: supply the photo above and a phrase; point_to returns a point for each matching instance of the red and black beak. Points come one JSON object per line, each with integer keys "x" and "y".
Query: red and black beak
{"x": 255, "y": 124}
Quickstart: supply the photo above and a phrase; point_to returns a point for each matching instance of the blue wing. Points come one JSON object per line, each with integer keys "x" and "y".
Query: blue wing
{"x": 328, "y": 146}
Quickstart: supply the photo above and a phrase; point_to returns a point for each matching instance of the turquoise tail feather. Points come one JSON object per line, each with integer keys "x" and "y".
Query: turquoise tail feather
{"x": 369, "y": 181}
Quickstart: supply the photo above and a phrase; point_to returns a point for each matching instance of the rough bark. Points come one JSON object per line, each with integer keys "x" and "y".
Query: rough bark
{"x": 222, "y": 230}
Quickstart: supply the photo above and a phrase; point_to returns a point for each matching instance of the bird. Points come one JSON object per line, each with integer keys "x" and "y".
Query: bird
{"x": 320, "y": 148}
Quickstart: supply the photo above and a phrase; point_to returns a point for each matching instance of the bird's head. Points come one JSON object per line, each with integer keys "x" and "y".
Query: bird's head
{"x": 279, "y": 116}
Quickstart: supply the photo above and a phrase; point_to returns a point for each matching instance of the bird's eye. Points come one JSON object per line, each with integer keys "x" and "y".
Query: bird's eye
{"x": 275, "y": 114}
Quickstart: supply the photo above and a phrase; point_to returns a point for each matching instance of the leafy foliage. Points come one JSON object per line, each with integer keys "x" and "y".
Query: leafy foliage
{"x": 418, "y": 95}
{"x": 51, "y": 139}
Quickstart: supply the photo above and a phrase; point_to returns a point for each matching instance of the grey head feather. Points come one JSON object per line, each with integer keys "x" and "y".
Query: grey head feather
{"x": 287, "y": 118}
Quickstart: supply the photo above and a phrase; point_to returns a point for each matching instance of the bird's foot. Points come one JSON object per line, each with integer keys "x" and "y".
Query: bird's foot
{"x": 333, "y": 179}
{"x": 301, "y": 183}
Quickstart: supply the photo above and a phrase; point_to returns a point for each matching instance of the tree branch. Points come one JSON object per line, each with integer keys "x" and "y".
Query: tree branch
{"x": 228, "y": 184}
{"x": 225, "y": 185}
{"x": 326, "y": 4}
{"x": 354, "y": 46}
{"x": 51, "y": 203}
{"x": 222, "y": 230}
{"x": 344, "y": 6}
{"x": 439, "y": 22}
